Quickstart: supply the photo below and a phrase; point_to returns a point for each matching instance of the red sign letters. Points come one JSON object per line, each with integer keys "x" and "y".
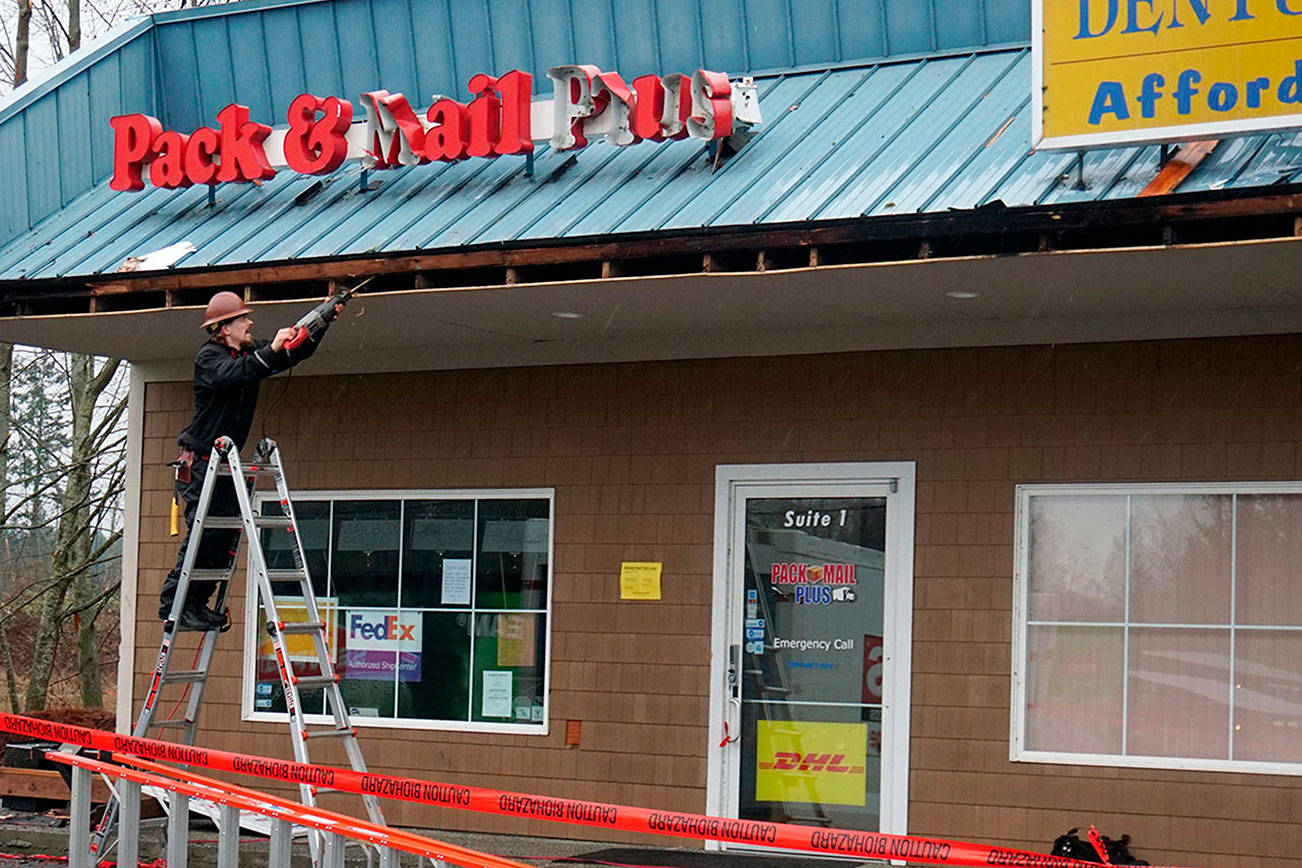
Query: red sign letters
{"x": 499, "y": 120}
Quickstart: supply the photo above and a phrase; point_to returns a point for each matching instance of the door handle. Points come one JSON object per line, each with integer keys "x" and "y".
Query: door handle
{"x": 734, "y": 696}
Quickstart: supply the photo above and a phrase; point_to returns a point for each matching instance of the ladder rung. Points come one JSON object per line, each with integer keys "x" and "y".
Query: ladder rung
{"x": 223, "y": 522}
{"x": 329, "y": 733}
{"x": 284, "y": 575}
{"x": 290, "y": 627}
{"x": 249, "y": 470}
{"x": 272, "y": 521}
{"x": 184, "y": 676}
{"x": 174, "y": 723}
{"x": 209, "y": 575}
{"x": 316, "y": 680}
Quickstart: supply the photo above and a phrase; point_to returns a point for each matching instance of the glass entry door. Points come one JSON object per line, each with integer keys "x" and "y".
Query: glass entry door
{"x": 814, "y": 694}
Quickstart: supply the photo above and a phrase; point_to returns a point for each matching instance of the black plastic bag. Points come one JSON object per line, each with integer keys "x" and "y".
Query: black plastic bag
{"x": 1072, "y": 847}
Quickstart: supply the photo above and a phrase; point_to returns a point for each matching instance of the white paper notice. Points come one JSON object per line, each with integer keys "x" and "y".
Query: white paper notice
{"x": 456, "y": 581}
{"x": 497, "y": 694}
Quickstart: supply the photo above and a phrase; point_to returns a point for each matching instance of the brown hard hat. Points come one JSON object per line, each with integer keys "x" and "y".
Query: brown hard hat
{"x": 223, "y": 306}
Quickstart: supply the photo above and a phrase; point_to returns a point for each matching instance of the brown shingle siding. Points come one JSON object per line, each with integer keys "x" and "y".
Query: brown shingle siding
{"x": 631, "y": 451}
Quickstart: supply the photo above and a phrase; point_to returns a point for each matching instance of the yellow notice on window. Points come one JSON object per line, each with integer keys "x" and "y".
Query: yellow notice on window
{"x": 639, "y": 580}
{"x": 516, "y": 640}
{"x": 811, "y": 763}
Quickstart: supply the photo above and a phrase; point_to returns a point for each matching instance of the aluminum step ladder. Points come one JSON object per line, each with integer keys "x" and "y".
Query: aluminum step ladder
{"x": 224, "y": 461}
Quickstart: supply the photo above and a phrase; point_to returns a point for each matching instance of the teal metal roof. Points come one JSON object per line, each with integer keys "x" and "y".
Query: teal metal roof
{"x": 931, "y": 135}
{"x": 183, "y": 66}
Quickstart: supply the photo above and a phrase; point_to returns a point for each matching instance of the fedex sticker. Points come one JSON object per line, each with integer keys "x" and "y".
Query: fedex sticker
{"x": 379, "y": 641}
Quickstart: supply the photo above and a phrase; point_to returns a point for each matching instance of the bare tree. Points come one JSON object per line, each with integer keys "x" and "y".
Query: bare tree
{"x": 65, "y": 467}
{"x": 75, "y": 550}
{"x": 6, "y": 372}
{"x": 22, "y": 41}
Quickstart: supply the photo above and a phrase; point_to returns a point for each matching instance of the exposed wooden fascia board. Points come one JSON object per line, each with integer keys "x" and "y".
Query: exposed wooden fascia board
{"x": 986, "y": 220}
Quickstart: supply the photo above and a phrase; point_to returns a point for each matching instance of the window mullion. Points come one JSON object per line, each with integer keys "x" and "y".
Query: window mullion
{"x": 397, "y": 651}
{"x": 1234, "y": 589}
{"x": 474, "y": 617}
{"x": 1125, "y": 638}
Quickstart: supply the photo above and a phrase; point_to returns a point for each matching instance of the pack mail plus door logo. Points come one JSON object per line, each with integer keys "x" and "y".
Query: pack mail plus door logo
{"x": 378, "y": 642}
{"x": 816, "y": 584}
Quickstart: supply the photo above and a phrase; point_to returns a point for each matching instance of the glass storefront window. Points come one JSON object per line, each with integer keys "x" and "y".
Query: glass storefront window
{"x": 1158, "y": 626}
{"x": 437, "y": 606}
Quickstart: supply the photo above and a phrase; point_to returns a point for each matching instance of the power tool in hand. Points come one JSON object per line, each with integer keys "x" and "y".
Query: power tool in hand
{"x": 315, "y": 320}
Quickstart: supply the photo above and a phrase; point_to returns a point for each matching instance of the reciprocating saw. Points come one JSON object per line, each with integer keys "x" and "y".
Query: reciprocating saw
{"x": 315, "y": 320}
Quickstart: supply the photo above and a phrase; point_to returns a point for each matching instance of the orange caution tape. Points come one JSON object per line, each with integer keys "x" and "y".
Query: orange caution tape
{"x": 199, "y": 787}
{"x": 837, "y": 842}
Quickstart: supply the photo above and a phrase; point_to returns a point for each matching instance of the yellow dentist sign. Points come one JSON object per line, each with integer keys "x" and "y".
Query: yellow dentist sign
{"x": 1123, "y": 71}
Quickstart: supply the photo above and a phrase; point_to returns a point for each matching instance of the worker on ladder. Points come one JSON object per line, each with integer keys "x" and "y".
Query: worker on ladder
{"x": 228, "y": 370}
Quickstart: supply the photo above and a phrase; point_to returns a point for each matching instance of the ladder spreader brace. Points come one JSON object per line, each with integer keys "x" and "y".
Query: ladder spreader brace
{"x": 224, "y": 461}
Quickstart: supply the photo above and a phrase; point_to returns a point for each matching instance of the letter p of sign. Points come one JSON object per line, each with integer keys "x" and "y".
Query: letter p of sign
{"x": 132, "y": 137}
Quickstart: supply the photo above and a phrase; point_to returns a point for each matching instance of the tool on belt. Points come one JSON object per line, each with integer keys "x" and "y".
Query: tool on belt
{"x": 183, "y": 468}
{"x": 315, "y": 320}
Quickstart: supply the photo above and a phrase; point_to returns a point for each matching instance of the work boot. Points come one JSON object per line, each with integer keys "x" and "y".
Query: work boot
{"x": 194, "y": 619}
{"x": 218, "y": 620}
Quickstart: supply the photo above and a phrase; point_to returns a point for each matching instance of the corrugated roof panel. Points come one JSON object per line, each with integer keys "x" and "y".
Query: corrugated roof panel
{"x": 1138, "y": 173}
{"x": 1035, "y": 177}
{"x": 834, "y": 110}
{"x": 429, "y": 210}
{"x": 676, "y": 183}
{"x": 286, "y": 79}
{"x": 716, "y": 190}
{"x": 252, "y": 80}
{"x": 919, "y": 87}
{"x": 41, "y": 160}
{"x": 550, "y": 209}
{"x": 355, "y": 215}
{"x": 922, "y": 125}
{"x": 270, "y": 205}
{"x": 911, "y": 25}
{"x": 159, "y": 218}
{"x": 931, "y": 135}
{"x": 1102, "y": 169}
{"x": 534, "y": 211}
{"x": 646, "y": 182}
{"x": 105, "y": 102}
{"x": 768, "y": 34}
{"x": 13, "y": 205}
{"x": 1278, "y": 161}
{"x": 819, "y": 166}
{"x": 501, "y": 193}
{"x": 998, "y": 157}
{"x": 1226, "y": 163}
{"x": 914, "y": 165}
{"x": 962, "y": 145}
{"x": 75, "y": 161}
{"x": 216, "y": 65}
{"x": 52, "y": 239}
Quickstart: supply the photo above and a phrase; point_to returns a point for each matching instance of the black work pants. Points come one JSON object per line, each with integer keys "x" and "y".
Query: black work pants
{"x": 217, "y": 546}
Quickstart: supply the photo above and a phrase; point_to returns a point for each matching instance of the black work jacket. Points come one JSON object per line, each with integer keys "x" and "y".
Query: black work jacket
{"x": 226, "y": 383}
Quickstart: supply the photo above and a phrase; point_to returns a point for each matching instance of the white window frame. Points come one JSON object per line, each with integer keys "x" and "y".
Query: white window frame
{"x": 1018, "y": 752}
{"x": 253, "y": 620}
